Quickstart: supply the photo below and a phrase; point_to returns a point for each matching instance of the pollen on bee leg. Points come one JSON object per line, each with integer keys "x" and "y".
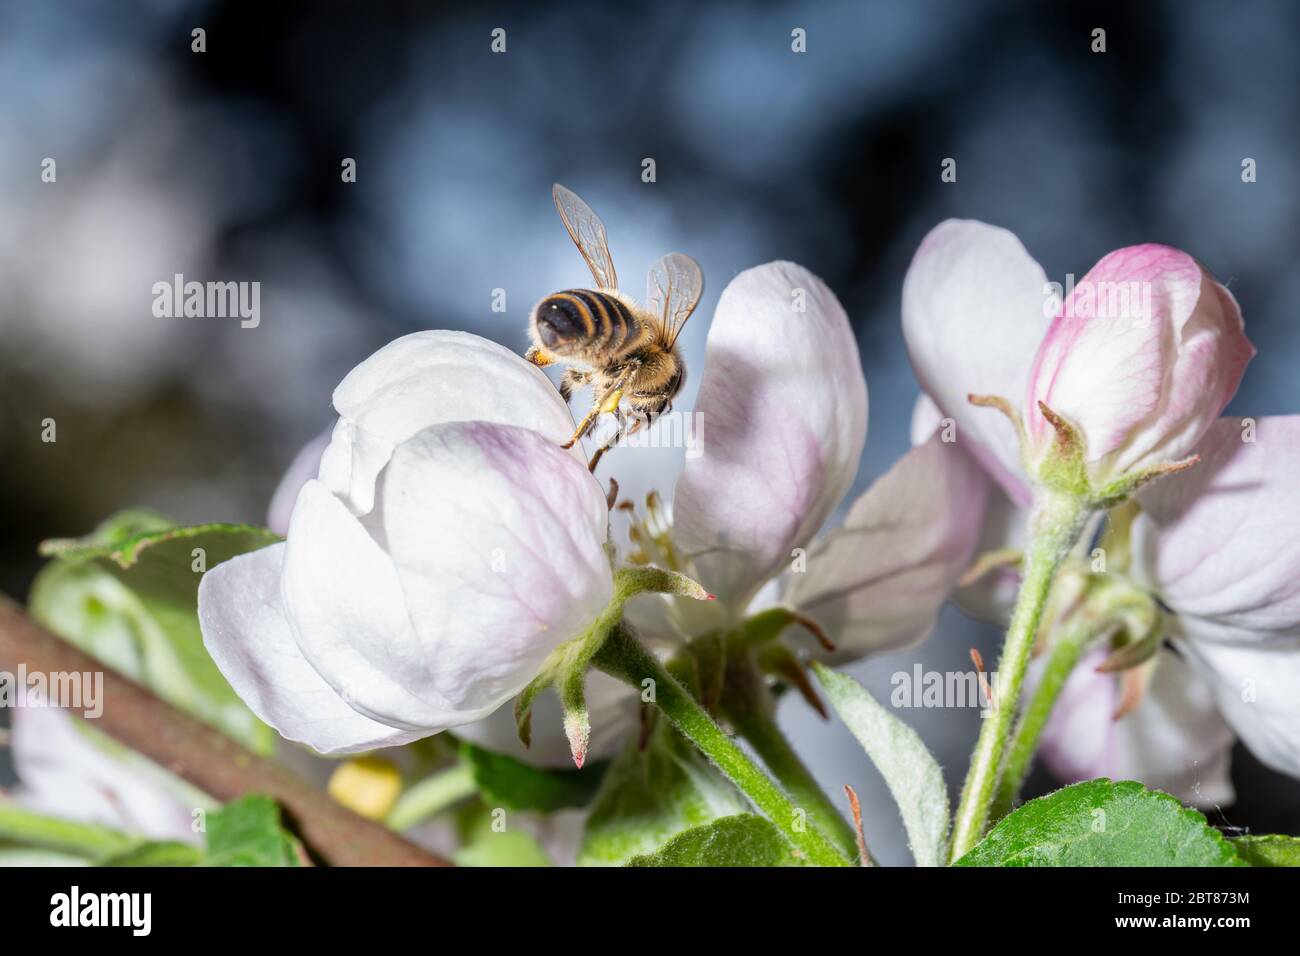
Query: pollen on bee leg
{"x": 539, "y": 357}
{"x": 611, "y": 402}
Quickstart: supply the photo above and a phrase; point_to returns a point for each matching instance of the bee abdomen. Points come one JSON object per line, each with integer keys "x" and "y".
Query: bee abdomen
{"x": 581, "y": 320}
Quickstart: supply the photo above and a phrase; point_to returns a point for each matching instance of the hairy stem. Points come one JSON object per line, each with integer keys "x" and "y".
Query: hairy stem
{"x": 750, "y": 708}
{"x": 1054, "y": 525}
{"x": 623, "y": 657}
{"x": 1061, "y": 660}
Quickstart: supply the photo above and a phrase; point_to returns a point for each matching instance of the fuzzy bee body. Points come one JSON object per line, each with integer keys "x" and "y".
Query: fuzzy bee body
{"x": 586, "y": 325}
{"x": 626, "y": 353}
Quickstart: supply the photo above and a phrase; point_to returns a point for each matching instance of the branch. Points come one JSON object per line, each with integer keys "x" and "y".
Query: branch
{"x": 207, "y": 759}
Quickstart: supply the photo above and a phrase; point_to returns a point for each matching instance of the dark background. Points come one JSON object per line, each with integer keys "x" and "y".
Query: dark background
{"x": 225, "y": 165}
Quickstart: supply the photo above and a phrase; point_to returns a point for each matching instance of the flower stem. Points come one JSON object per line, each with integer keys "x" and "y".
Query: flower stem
{"x": 750, "y": 708}
{"x": 1064, "y": 655}
{"x": 433, "y": 793}
{"x": 68, "y": 836}
{"x": 623, "y": 657}
{"x": 1054, "y": 525}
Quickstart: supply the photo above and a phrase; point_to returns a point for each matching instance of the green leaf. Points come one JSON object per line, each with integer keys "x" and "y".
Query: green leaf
{"x": 156, "y": 853}
{"x": 128, "y": 595}
{"x": 1100, "y": 823}
{"x": 247, "y": 832}
{"x": 913, "y": 776}
{"x": 651, "y": 794}
{"x": 1271, "y": 850}
{"x": 506, "y": 782}
{"x": 491, "y": 837}
{"x": 741, "y": 840}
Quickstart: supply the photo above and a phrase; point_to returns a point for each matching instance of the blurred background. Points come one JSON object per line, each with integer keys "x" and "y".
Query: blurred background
{"x": 225, "y": 165}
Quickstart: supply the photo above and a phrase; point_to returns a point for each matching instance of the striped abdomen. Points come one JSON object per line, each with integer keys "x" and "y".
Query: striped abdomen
{"x": 579, "y": 321}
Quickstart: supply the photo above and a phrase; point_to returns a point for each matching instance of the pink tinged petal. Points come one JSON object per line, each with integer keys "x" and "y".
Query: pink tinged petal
{"x": 877, "y": 583}
{"x": 613, "y": 708}
{"x": 1221, "y": 541}
{"x": 304, "y": 467}
{"x": 425, "y": 379}
{"x": 249, "y": 638}
{"x": 1143, "y": 357}
{"x": 497, "y": 536}
{"x": 1175, "y": 740}
{"x": 1255, "y": 687}
{"x": 973, "y": 317}
{"x": 783, "y": 412}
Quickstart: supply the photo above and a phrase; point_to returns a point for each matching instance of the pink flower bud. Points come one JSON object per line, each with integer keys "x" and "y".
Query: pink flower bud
{"x": 1142, "y": 357}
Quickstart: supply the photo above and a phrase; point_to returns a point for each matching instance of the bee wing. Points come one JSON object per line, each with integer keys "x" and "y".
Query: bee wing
{"x": 588, "y": 234}
{"x": 673, "y": 289}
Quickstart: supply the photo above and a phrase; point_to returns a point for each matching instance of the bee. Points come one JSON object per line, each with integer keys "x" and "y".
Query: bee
{"x": 625, "y": 353}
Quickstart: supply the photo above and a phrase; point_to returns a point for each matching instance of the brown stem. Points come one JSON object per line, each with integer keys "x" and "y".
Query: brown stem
{"x": 207, "y": 759}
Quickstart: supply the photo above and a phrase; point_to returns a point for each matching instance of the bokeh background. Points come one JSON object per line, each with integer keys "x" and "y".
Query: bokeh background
{"x": 225, "y": 165}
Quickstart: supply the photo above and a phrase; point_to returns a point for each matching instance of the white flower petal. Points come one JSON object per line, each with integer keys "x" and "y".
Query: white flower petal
{"x": 498, "y": 539}
{"x": 346, "y": 608}
{"x": 877, "y": 583}
{"x": 1175, "y": 740}
{"x": 993, "y": 597}
{"x": 973, "y": 317}
{"x": 63, "y": 772}
{"x": 1221, "y": 541}
{"x": 424, "y": 379}
{"x": 1256, "y": 689}
{"x": 783, "y": 417}
{"x": 245, "y": 631}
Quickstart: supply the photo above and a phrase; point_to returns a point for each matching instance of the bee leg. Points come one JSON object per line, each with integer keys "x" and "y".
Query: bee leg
{"x": 584, "y": 426}
{"x": 539, "y": 357}
{"x": 622, "y": 432}
{"x": 609, "y": 402}
{"x": 600, "y": 452}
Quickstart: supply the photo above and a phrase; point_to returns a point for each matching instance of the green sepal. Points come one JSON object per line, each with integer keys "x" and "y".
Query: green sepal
{"x": 565, "y": 667}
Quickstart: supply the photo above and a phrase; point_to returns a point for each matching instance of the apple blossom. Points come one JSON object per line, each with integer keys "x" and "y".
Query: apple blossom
{"x": 1138, "y": 362}
{"x": 1216, "y": 545}
{"x": 784, "y": 403}
{"x": 1140, "y": 359}
{"x": 434, "y": 566}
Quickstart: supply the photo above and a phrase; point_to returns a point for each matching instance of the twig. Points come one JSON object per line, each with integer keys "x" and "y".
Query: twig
{"x": 210, "y": 761}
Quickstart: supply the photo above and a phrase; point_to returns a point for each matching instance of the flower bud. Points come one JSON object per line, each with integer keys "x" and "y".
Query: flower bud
{"x": 1142, "y": 357}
